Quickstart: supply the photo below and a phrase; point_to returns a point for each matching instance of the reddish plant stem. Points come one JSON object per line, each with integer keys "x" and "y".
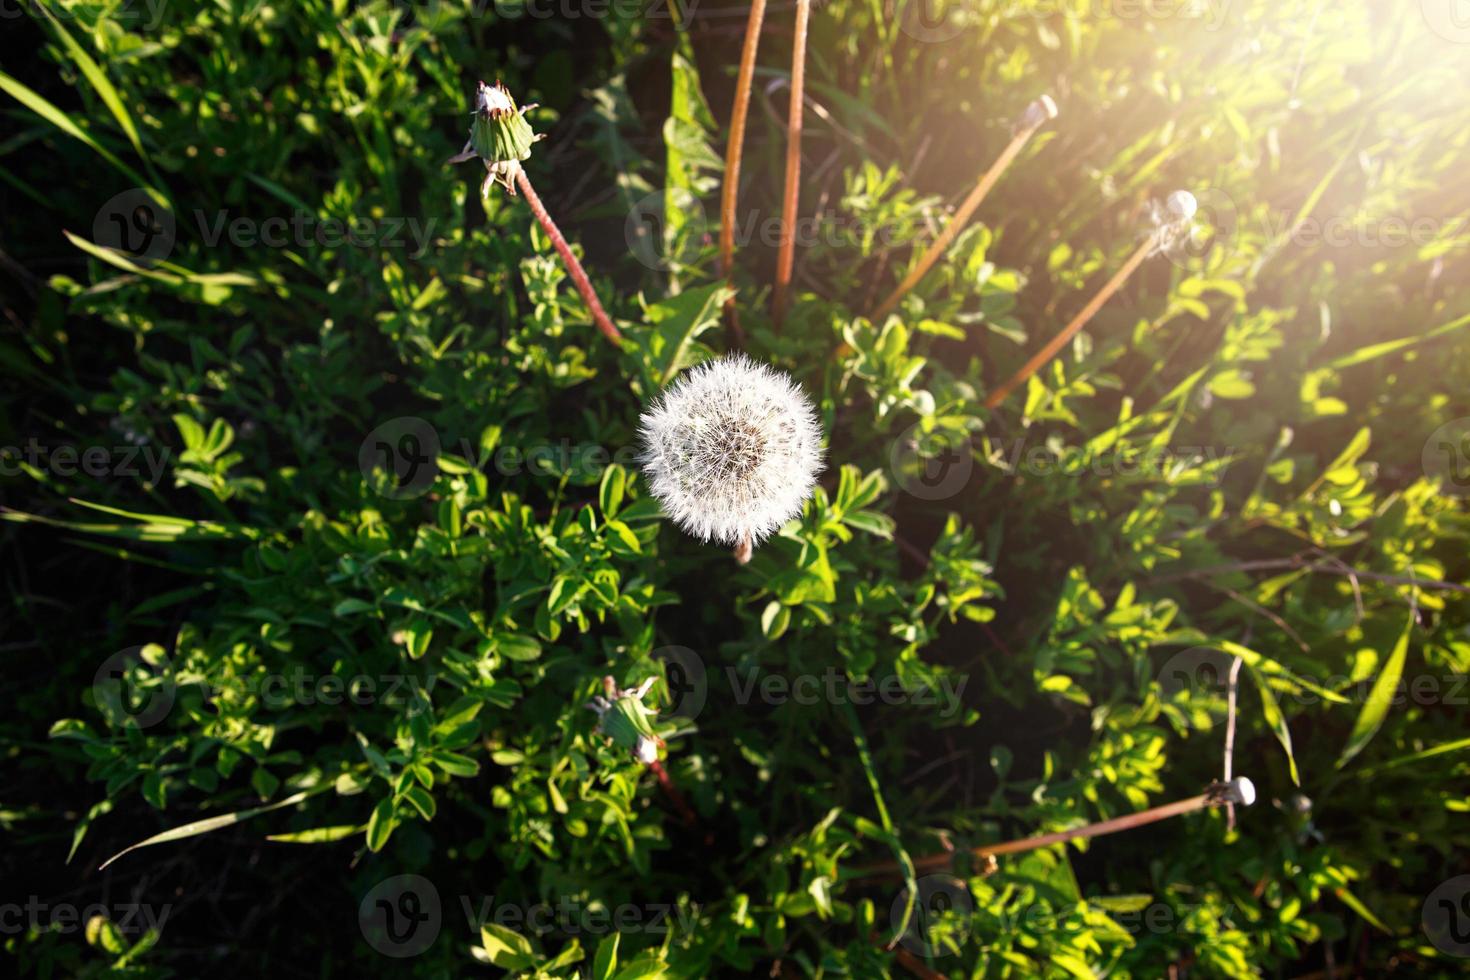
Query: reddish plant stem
{"x": 729, "y": 193}
{"x": 574, "y": 268}
{"x": 667, "y": 785}
{"x": 786, "y": 254}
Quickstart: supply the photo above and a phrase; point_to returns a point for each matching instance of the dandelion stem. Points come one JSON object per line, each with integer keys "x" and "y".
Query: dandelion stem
{"x": 574, "y": 268}
{"x": 1036, "y": 114}
{"x": 1238, "y": 791}
{"x": 1039, "y": 359}
{"x": 743, "y": 550}
{"x": 730, "y": 192}
{"x": 786, "y": 254}
{"x": 666, "y": 783}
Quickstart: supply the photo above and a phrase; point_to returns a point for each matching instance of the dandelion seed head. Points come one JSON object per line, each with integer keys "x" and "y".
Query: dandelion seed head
{"x": 732, "y": 450}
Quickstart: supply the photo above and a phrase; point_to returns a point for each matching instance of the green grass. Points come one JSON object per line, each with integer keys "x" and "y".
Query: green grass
{"x": 239, "y": 273}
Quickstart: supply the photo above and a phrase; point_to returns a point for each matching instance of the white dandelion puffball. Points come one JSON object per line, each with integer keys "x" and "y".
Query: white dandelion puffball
{"x": 731, "y": 450}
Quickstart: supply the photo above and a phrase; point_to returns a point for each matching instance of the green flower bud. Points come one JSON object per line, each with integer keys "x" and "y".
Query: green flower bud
{"x": 500, "y": 132}
{"x": 499, "y": 136}
{"x": 624, "y": 719}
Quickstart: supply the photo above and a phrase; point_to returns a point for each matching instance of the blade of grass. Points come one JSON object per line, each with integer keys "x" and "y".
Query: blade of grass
{"x": 104, "y": 88}
{"x": 41, "y": 107}
{"x": 905, "y": 863}
{"x": 216, "y": 823}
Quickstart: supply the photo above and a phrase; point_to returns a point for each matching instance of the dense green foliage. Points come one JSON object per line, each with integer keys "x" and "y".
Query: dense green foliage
{"x": 386, "y": 672}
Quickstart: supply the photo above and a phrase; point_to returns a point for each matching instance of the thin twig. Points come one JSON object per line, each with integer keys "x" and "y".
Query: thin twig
{"x": 786, "y": 254}
{"x": 1231, "y": 693}
{"x": 1041, "y": 357}
{"x": 574, "y": 268}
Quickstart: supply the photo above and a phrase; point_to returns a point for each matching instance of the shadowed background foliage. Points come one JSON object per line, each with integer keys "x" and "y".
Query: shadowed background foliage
{"x": 233, "y": 261}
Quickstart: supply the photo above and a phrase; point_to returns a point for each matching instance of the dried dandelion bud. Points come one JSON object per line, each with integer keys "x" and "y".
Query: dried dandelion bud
{"x": 732, "y": 451}
{"x": 1040, "y": 111}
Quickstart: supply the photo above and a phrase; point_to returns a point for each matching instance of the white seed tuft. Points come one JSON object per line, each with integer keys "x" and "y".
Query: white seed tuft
{"x": 732, "y": 450}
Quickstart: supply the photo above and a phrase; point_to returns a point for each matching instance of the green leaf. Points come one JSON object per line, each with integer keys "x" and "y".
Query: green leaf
{"x": 677, "y": 323}
{"x": 607, "y": 957}
{"x": 610, "y": 490}
{"x": 506, "y": 948}
{"x": 317, "y": 835}
{"x": 1274, "y": 718}
{"x": 522, "y": 648}
{"x": 420, "y": 800}
{"x": 380, "y": 824}
{"x": 1380, "y": 698}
